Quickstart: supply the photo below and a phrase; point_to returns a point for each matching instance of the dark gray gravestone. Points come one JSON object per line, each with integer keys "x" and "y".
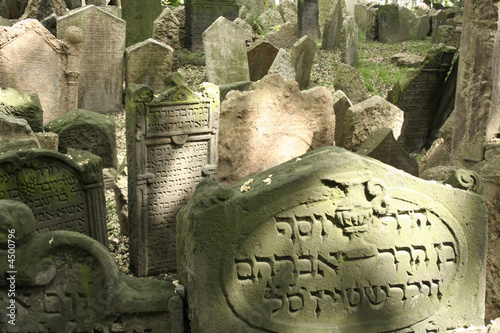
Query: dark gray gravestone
{"x": 418, "y": 96}
{"x": 260, "y": 59}
{"x": 308, "y": 24}
{"x": 382, "y": 146}
{"x": 200, "y": 14}
{"x": 65, "y": 192}
{"x": 333, "y": 242}
{"x": 372, "y": 24}
{"x": 171, "y": 145}
{"x": 388, "y": 24}
{"x": 333, "y": 25}
{"x": 302, "y": 57}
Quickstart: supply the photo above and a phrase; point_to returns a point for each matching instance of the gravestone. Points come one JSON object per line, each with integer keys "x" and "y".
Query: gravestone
{"x": 361, "y": 14}
{"x": 89, "y": 131}
{"x": 171, "y": 145}
{"x": 180, "y": 14}
{"x": 437, "y": 19}
{"x": 363, "y": 119}
{"x": 139, "y": 16}
{"x": 270, "y": 124}
{"x": 12, "y": 9}
{"x": 308, "y": 16}
{"x": 372, "y": 24}
{"x": 420, "y": 27}
{"x": 65, "y": 192}
{"x": 269, "y": 20}
{"x": 41, "y": 9}
{"x": 148, "y": 62}
{"x": 282, "y": 65}
{"x": 32, "y": 60}
{"x": 22, "y": 106}
{"x": 349, "y": 41}
{"x": 381, "y": 145}
{"x": 288, "y": 10}
{"x": 302, "y": 57}
{"x": 447, "y": 35}
{"x": 68, "y": 282}
{"x": 166, "y": 29}
{"x": 201, "y": 14}
{"x": 351, "y": 82}
{"x": 333, "y": 242}
{"x": 418, "y": 96}
{"x": 341, "y": 104}
{"x": 284, "y": 37}
{"x": 388, "y": 24}
{"x": 405, "y": 16}
{"x": 333, "y": 26}
{"x": 101, "y": 63}
{"x": 260, "y": 59}
{"x": 225, "y": 53}
{"x": 15, "y": 134}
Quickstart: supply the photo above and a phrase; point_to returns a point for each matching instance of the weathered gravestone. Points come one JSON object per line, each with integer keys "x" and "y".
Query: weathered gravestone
{"x": 22, "y": 106}
{"x": 437, "y": 19}
{"x": 225, "y": 53}
{"x": 372, "y": 24}
{"x": 361, "y": 15}
{"x": 302, "y": 57}
{"x": 341, "y": 104}
{"x": 166, "y": 29}
{"x": 65, "y": 192}
{"x": 148, "y": 62}
{"x": 418, "y": 96}
{"x": 388, "y": 24}
{"x": 333, "y": 242}
{"x": 349, "y": 41}
{"x": 201, "y": 14}
{"x": 89, "y": 131}
{"x": 381, "y": 145}
{"x": 308, "y": 16}
{"x": 351, "y": 82}
{"x": 101, "y": 63}
{"x": 32, "y": 60}
{"x": 420, "y": 27}
{"x": 171, "y": 145}
{"x": 67, "y": 282}
{"x": 363, "y": 119}
{"x": 405, "y": 16}
{"x": 282, "y": 65}
{"x": 41, "y": 9}
{"x": 139, "y": 16}
{"x": 15, "y": 134}
{"x": 284, "y": 37}
{"x": 333, "y": 26}
{"x": 260, "y": 59}
{"x": 270, "y": 124}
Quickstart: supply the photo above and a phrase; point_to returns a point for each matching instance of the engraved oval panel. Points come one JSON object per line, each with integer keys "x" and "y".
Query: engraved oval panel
{"x": 339, "y": 264}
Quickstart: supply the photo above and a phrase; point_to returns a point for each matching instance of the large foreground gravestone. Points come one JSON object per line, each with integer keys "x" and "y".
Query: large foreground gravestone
{"x": 65, "y": 192}
{"x": 225, "y": 53}
{"x": 32, "y": 60}
{"x": 67, "y": 282}
{"x": 101, "y": 64}
{"x": 332, "y": 242}
{"x": 171, "y": 145}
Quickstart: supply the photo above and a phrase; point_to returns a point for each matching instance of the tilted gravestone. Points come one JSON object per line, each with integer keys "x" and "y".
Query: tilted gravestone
{"x": 302, "y": 57}
{"x": 101, "y": 63}
{"x": 171, "y": 145}
{"x": 308, "y": 16}
{"x": 166, "y": 29}
{"x": 333, "y": 26}
{"x": 418, "y": 96}
{"x": 381, "y": 145}
{"x": 89, "y": 131}
{"x": 65, "y": 192}
{"x": 260, "y": 59}
{"x": 15, "y": 133}
{"x": 349, "y": 41}
{"x": 420, "y": 27}
{"x": 67, "y": 282}
{"x": 23, "y": 106}
{"x": 225, "y": 53}
{"x": 333, "y": 242}
{"x": 32, "y": 60}
{"x": 148, "y": 62}
{"x": 201, "y": 14}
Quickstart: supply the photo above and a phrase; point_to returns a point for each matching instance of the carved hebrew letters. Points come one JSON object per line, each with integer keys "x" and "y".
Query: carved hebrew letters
{"x": 361, "y": 252}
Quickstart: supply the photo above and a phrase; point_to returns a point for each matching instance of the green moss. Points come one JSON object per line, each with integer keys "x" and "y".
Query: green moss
{"x": 86, "y": 278}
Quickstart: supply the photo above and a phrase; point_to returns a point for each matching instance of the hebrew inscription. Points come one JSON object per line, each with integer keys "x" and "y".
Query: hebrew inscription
{"x": 359, "y": 253}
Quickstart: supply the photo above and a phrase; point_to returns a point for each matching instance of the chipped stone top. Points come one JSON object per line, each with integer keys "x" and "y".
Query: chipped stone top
{"x": 8, "y": 34}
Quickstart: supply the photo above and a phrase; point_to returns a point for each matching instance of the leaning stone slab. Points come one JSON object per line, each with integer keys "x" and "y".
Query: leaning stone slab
{"x": 308, "y": 19}
{"x": 341, "y": 104}
{"x": 23, "y": 106}
{"x": 363, "y": 119}
{"x": 171, "y": 146}
{"x": 68, "y": 282}
{"x": 351, "y": 82}
{"x": 282, "y": 65}
{"x": 89, "y": 131}
{"x": 333, "y": 26}
{"x": 302, "y": 57}
{"x": 166, "y": 29}
{"x": 332, "y": 242}
{"x": 270, "y": 124}
{"x": 349, "y": 41}
{"x": 225, "y": 52}
{"x": 65, "y": 192}
{"x": 382, "y": 146}
{"x": 15, "y": 134}
{"x": 260, "y": 58}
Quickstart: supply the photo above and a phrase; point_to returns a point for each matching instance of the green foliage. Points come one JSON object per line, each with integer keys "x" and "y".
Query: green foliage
{"x": 172, "y": 3}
